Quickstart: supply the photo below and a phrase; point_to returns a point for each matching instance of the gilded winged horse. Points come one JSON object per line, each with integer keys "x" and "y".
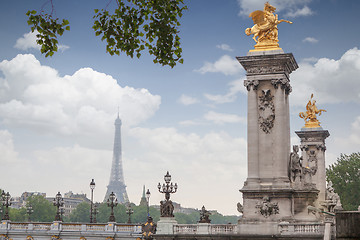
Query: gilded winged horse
{"x": 265, "y": 28}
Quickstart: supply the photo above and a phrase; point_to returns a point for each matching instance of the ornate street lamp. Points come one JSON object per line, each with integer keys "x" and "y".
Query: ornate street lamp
{"x": 112, "y": 202}
{"x": 129, "y": 211}
{"x": 92, "y": 187}
{"x": 148, "y": 201}
{"x": 29, "y": 211}
{"x": 166, "y": 207}
{"x": 6, "y": 201}
{"x": 95, "y": 213}
{"x": 58, "y": 202}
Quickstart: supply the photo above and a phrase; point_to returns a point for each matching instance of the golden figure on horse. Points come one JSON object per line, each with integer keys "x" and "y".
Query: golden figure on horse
{"x": 310, "y": 115}
{"x": 265, "y": 30}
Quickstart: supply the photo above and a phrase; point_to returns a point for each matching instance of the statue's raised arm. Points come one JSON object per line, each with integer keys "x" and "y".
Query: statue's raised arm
{"x": 265, "y": 29}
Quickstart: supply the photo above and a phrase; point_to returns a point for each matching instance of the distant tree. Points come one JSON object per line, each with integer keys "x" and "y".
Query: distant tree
{"x": 44, "y": 211}
{"x": 217, "y": 218}
{"x": 345, "y": 177}
{"x": 81, "y": 213}
{"x": 18, "y": 215}
{"x": 183, "y": 218}
{"x": 133, "y": 26}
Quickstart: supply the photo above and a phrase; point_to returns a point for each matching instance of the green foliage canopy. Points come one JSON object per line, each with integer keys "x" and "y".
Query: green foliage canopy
{"x": 345, "y": 177}
{"x": 134, "y": 26}
{"x": 44, "y": 211}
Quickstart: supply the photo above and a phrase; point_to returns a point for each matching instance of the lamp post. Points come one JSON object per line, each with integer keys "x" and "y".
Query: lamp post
{"x": 6, "y": 201}
{"x": 148, "y": 201}
{"x": 92, "y": 187}
{"x": 112, "y": 202}
{"x": 166, "y": 207}
{"x": 129, "y": 211}
{"x": 95, "y": 212}
{"x": 29, "y": 211}
{"x": 58, "y": 202}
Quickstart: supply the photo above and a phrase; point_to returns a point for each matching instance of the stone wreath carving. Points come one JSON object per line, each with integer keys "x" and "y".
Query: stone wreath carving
{"x": 312, "y": 161}
{"x": 266, "y": 111}
{"x": 266, "y": 208}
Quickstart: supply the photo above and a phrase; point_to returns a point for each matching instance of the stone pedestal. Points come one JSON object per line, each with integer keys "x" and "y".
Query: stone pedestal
{"x": 313, "y": 153}
{"x": 267, "y": 192}
{"x": 166, "y": 225}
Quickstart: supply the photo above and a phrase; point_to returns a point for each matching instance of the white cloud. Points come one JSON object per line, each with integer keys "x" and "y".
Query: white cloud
{"x": 221, "y": 118}
{"x": 225, "y": 47}
{"x": 331, "y": 81}
{"x": 310, "y": 40}
{"x": 36, "y": 97}
{"x": 292, "y": 8}
{"x": 27, "y": 41}
{"x": 305, "y": 11}
{"x": 63, "y": 48}
{"x": 187, "y": 100}
{"x": 8, "y": 153}
{"x": 226, "y": 65}
{"x": 236, "y": 87}
{"x": 193, "y": 161}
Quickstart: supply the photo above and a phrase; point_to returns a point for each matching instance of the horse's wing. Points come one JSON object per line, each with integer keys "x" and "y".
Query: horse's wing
{"x": 257, "y": 16}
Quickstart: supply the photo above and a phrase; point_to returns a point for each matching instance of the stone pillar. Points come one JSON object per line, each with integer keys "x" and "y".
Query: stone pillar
{"x": 313, "y": 153}
{"x": 267, "y": 193}
{"x": 166, "y": 225}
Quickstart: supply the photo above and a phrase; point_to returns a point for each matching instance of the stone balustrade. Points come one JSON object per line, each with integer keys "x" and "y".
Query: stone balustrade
{"x": 285, "y": 228}
{"x": 32, "y": 230}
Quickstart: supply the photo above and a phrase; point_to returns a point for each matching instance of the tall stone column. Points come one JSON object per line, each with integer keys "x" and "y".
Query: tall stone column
{"x": 267, "y": 193}
{"x": 313, "y": 153}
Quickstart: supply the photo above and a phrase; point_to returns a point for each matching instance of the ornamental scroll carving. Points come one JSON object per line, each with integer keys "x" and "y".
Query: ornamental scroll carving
{"x": 265, "y": 69}
{"x": 283, "y": 83}
{"x": 266, "y": 208}
{"x": 251, "y": 83}
{"x": 266, "y": 111}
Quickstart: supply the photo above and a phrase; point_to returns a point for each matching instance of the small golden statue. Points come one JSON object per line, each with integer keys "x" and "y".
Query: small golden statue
{"x": 265, "y": 29}
{"x": 310, "y": 115}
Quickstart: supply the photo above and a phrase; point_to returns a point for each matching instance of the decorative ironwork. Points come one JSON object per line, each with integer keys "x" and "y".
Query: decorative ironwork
{"x": 95, "y": 212}
{"x": 117, "y": 182}
{"x": 112, "y": 202}
{"x": 129, "y": 211}
{"x": 92, "y": 187}
{"x": 58, "y": 202}
{"x": 166, "y": 206}
{"x": 148, "y": 194}
{"x": 148, "y": 229}
{"x": 204, "y": 215}
{"x": 6, "y": 202}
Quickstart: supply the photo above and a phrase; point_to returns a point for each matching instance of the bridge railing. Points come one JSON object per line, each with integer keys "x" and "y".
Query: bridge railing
{"x": 8, "y": 226}
{"x": 297, "y": 229}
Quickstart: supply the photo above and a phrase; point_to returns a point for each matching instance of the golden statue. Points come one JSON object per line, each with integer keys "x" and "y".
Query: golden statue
{"x": 265, "y": 29}
{"x": 310, "y": 115}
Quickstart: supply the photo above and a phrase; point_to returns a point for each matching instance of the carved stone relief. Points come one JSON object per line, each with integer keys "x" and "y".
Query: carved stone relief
{"x": 266, "y": 111}
{"x": 264, "y": 69}
{"x": 266, "y": 208}
{"x": 296, "y": 167}
{"x": 251, "y": 83}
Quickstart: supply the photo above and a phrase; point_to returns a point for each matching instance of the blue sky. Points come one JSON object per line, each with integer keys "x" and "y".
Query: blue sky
{"x": 57, "y": 113}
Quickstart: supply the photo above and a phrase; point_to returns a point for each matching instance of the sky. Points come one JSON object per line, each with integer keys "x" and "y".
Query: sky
{"x": 57, "y": 114}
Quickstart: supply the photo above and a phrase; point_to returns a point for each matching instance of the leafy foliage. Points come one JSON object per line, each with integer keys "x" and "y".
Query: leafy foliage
{"x": 81, "y": 213}
{"x": 48, "y": 29}
{"x": 140, "y": 24}
{"x": 345, "y": 176}
{"x": 44, "y": 211}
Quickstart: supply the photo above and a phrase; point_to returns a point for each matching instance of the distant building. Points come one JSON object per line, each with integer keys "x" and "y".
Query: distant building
{"x": 19, "y": 202}
{"x": 178, "y": 208}
{"x": 117, "y": 182}
{"x": 143, "y": 201}
{"x": 71, "y": 201}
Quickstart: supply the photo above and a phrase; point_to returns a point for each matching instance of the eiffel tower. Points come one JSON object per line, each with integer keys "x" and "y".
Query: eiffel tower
{"x": 117, "y": 183}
